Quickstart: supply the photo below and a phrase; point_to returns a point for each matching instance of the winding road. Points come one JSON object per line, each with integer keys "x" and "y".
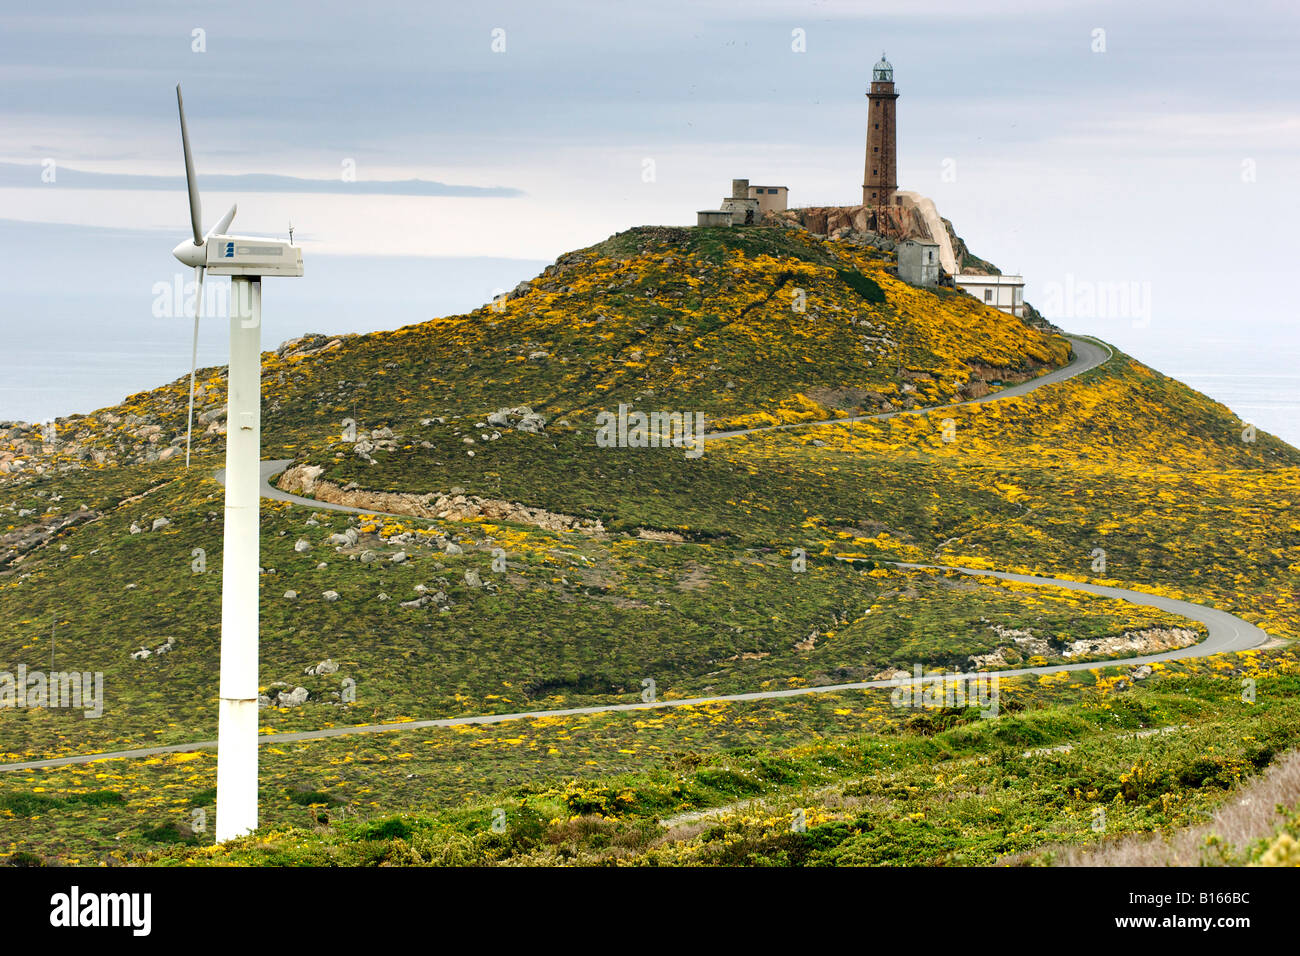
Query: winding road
{"x": 1226, "y": 632}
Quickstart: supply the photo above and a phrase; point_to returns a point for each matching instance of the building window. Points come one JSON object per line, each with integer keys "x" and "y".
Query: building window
{"x": 988, "y": 295}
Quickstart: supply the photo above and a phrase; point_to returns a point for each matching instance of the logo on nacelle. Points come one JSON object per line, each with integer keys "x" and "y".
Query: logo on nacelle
{"x": 230, "y": 250}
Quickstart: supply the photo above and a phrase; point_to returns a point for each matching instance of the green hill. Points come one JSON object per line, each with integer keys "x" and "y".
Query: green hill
{"x": 530, "y": 568}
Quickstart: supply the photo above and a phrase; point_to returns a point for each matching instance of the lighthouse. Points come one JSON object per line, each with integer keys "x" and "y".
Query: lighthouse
{"x": 880, "y": 175}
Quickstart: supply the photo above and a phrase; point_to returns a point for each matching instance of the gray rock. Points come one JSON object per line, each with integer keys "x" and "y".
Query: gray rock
{"x": 301, "y": 545}
{"x": 454, "y": 548}
{"x": 295, "y": 698}
{"x": 291, "y": 595}
{"x": 159, "y": 523}
{"x": 331, "y": 595}
{"x": 398, "y": 558}
{"x": 473, "y": 580}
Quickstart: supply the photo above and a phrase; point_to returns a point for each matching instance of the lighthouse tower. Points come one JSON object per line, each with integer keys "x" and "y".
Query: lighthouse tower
{"x": 880, "y": 177}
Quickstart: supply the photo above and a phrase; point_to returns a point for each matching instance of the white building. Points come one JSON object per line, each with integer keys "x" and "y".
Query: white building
{"x": 1002, "y": 292}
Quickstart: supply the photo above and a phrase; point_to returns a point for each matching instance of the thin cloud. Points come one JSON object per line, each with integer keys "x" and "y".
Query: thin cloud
{"x": 25, "y": 175}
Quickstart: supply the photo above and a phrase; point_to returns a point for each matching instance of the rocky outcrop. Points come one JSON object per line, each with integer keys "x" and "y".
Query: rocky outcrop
{"x": 1128, "y": 644}
{"x": 305, "y": 480}
{"x": 15, "y": 544}
{"x": 521, "y": 418}
{"x": 1151, "y": 641}
{"x": 310, "y": 344}
{"x": 868, "y": 225}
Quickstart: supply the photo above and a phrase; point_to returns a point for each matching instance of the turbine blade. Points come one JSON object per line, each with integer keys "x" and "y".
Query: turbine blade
{"x": 220, "y": 228}
{"x": 196, "y": 214}
{"x": 194, "y": 356}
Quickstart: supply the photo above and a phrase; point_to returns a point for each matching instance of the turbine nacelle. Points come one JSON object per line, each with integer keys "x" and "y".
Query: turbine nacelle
{"x": 250, "y": 256}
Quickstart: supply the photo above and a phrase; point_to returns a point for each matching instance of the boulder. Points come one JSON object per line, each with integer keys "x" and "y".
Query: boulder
{"x": 295, "y": 698}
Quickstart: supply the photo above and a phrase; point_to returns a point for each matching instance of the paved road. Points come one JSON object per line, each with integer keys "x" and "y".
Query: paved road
{"x": 1227, "y": 633}
{"x": 1088, "y": 354}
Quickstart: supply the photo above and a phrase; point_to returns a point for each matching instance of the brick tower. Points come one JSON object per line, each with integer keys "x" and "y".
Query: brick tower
{"x": 880, "y": 177}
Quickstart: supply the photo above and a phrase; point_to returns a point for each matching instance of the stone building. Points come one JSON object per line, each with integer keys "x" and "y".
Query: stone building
{"x": 918, "y": 261}
{"x": 742, "y": 207}
{"x": 880, "y": 174}
{"x": 712, "y": 217}
{"x": 745, "y": 211}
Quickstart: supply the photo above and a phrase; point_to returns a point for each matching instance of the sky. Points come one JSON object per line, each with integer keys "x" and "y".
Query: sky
{"x": 1137, "y": 163}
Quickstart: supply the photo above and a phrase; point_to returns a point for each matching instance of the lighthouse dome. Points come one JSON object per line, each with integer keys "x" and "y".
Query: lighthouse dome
{"x": 883, "y": 72}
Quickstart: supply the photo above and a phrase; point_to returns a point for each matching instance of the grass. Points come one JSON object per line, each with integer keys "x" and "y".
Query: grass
{"x": 693, "y": 582}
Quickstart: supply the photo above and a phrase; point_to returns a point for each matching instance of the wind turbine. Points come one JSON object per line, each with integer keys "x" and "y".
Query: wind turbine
{"x": 245, "y": 259}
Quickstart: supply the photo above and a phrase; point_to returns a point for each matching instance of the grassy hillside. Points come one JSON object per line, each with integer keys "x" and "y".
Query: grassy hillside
{"x": 533, "y": 569}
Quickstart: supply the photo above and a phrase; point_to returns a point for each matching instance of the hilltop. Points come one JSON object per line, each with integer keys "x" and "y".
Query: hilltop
{"x": 527, "y": 567}
{"x": 679, "y": 316}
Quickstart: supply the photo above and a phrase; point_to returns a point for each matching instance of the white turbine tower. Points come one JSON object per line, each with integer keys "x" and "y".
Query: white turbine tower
{"x": 245, "y": 259}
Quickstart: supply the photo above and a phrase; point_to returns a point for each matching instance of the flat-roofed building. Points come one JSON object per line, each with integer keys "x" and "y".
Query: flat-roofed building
{"x": 1006, "y": 293}
{"x": 770, "y": 198}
